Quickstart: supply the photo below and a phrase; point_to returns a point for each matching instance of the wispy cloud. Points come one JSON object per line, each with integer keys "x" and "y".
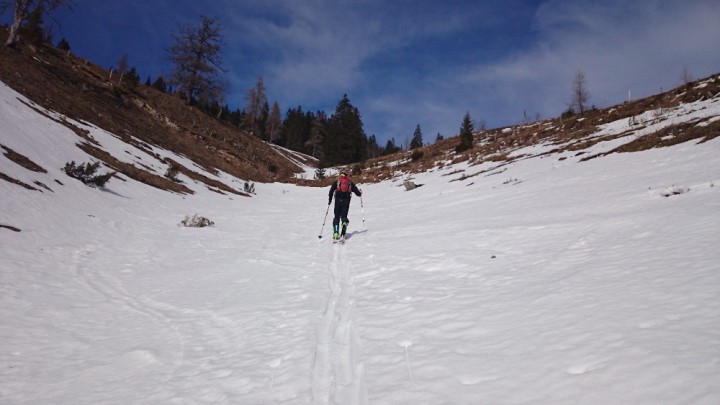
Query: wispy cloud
{"x": 315, "y": 51}
{"x": 327, "y": 48}
{"x": 409, "y": 62}
{"x": 638, "y": 47}
{"x": 620, "y": 46}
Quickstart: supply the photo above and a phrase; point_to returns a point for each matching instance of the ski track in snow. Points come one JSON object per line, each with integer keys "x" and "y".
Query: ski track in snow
{"x": 338, "y": 375}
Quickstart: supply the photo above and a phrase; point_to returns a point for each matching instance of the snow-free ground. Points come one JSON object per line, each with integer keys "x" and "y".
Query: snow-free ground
{"x": 545, "y": 282}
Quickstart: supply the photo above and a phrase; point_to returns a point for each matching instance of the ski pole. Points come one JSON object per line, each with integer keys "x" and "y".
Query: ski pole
{"x": 362, "y": 208}
{"x": 323, "y": 225}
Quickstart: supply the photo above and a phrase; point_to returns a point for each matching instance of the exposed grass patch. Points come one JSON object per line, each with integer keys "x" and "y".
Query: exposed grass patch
{"x": 22, "y": 160}
{"x": 18, "y": 182}
{"x": 134, "y": 172}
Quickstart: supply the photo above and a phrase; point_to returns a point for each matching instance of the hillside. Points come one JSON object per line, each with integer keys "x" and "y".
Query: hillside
{"x": 83, "y": 92}
{"x": 662, "y": 120}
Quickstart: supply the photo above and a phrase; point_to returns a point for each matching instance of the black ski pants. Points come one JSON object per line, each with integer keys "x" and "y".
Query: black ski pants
{"x": 342, "y": 206}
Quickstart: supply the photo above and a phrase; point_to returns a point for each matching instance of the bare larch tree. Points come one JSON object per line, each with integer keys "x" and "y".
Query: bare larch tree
{"x": 274, "y": 124}
{"x": 580, "y": 94}
{"x": 256, "y": 109}
{"x": 122, "y": 67}
{"x": 196, "y": 54}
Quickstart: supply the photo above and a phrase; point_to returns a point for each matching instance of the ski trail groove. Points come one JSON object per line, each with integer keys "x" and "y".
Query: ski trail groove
{"x": 338, "y": 375}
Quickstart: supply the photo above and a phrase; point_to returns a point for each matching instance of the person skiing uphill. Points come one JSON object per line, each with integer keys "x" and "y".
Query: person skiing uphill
{"x": 343, "y": 190}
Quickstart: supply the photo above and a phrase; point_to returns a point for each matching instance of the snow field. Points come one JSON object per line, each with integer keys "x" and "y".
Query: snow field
{"x": 550, "y": 282}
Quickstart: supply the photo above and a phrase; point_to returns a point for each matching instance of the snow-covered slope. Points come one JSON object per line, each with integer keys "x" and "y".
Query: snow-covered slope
{"x": 546, "y": 281}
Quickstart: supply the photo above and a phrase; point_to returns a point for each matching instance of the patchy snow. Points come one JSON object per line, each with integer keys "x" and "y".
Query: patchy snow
{"x": 548, "y": 282}
{"x": 655, "y": 120}
{"x": 297, "y": 159}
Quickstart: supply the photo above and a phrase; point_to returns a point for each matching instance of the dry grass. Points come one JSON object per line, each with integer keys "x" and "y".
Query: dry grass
{"x": 22, "y": 160}
{"x": 134, "y": 172}
{"x": 11, "y": 180}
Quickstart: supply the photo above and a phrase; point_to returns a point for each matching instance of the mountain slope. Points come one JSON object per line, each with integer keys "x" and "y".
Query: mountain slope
{"x": 81, "y": 91}
{"x": 662, "y": 120}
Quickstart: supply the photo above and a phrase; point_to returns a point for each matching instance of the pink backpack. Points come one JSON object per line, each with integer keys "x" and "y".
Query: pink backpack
{"x": 344, "y": 185}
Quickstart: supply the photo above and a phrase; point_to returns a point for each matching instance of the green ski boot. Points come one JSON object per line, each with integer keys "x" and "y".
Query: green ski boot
{"x": 336, "y": 234}
{"x": 344, "y": 228}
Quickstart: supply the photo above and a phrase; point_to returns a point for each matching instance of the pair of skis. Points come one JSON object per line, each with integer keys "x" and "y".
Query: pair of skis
{"x": 340, "y": 240}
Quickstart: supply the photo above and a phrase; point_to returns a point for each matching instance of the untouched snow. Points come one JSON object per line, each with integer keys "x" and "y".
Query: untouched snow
{"x": 550, "y": 282}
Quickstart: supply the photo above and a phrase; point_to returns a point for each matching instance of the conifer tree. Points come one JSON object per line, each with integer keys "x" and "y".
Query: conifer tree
{"x": 390, "y": 147}
{"x": 34, "y": 30}
{"x": 466, "y": 134}
{"x": 373, "y": 149}
{"x": 417, "y": 140}
{"x": 345, "y": 141}
{"x": 132, "y": 78}
{"x": 25, "y": 10}
{"x": 296, "y": 129}
{"x": 159, "y": 84}
{"x": 64, "y": 44}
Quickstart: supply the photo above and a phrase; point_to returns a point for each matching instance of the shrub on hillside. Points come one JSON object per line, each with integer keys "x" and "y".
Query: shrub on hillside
{"x": 172, "y": 172}
{"x": 250, "y": 188}
{"x": 569, "y": 113}
{"x": 462, "y": 147}
{"x": 674, "y": 190}
{"x": 87, "y": 173}
{"x": 196, "y": 221}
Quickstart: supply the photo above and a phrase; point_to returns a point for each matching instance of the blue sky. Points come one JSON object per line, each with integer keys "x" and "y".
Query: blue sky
{"x": 404, "y": 63}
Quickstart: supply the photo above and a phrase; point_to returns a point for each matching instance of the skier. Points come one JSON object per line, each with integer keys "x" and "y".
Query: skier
{"x": 342, "y": 190}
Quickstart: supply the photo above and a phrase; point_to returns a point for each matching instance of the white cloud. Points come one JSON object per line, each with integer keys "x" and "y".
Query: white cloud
{"x": 639, "y": 47}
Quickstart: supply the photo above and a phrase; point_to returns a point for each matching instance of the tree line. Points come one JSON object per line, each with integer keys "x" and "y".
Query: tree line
{"x": 334, "y": 139}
